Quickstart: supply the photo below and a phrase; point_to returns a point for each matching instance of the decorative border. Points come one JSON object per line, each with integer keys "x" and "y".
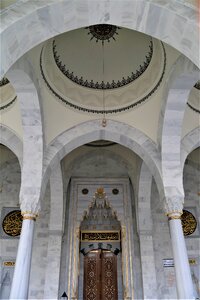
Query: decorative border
{"x": 109, "y": 111}
{"x": 108, "y": 144}
{"x": 102, "y": 86}
{"x": 8, "y": 104}
{"x": 193, "y": 108}
{"x": 197, "y": 85}
{"x": 4, "y": 81}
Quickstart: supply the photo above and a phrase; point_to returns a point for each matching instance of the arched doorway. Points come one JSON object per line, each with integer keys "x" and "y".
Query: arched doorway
{"x": 114, "y": 239}
{"x": 100, "y": 243}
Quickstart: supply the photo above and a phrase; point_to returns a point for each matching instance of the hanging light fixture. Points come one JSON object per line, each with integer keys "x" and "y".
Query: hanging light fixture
{"x": 104, "y": 121}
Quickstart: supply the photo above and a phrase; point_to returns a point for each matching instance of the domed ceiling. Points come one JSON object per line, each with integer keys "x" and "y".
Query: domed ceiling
{"x": 103, "y": 68}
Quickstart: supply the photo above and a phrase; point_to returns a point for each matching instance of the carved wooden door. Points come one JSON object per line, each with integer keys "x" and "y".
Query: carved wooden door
{"x": 100, "y": 276}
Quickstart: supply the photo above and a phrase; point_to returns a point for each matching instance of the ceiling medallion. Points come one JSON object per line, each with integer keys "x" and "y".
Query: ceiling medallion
{"x": 12, "y": 223}
{"x": 189, "y": 222}
{"x": 103, "y": 32}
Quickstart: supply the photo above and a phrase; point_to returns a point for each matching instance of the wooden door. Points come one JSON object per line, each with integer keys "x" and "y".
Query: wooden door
{"x": 100, "y": 276}
{"x": 109, "y": 276}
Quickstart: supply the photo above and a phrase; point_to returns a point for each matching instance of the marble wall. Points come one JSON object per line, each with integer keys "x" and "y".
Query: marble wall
{"x": 10, "y": 177}
{"x": 42, "y": 251}
{"x": 192, "y": 198}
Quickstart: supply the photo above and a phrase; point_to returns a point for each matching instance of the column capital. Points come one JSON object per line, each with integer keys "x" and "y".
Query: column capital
{"x": 30, "y": 205}
{"x": 174, "y": 207}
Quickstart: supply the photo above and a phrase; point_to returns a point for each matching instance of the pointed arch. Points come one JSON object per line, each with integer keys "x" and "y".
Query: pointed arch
{"x": 178, "y": 23}
{"x": 115, "y": 131}
{"x": 189, "y": 142}
{"x": 10, "y": 139}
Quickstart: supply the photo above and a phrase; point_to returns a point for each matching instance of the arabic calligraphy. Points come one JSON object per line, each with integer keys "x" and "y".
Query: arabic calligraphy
{"x": 12, "y": 223}
{"x": 9, "y": 263}
{"x": 100, "y": 236}
{"x": 189, "y": 222}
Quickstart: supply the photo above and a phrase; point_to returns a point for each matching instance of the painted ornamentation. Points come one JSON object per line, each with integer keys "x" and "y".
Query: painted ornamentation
{"x": 103, "y": 32}
{"x": 105, "y": 111}
{"x": 102, "y": 85}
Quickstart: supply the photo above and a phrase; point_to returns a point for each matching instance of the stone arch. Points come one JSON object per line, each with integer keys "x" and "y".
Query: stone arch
{"x": 115, "y": 131}
{"x": 144, "y": 220}
{"x": 189, "y": 142}
{"x": 54, "y": 18}
{"x": 10, "y": 139}
{"x": 32, "y": 138}
{"x": 145, "y": 227}
{"x": 180, "y": 82}
{"x": 111, "y": 154}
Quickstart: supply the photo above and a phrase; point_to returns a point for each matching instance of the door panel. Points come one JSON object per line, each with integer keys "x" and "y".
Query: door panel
{"x": 109, "y": 276}
{"x": 92, "y": 276}
{"x": 100, "y": 276}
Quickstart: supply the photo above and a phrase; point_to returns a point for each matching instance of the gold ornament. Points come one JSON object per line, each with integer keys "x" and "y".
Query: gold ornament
{"x": 32, "y": 218}
{"x": 12, "y": 223}
{"x": 189, "y": 222}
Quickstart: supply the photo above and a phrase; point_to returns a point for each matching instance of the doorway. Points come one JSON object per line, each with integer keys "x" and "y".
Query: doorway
{"x": 100, "y": 275}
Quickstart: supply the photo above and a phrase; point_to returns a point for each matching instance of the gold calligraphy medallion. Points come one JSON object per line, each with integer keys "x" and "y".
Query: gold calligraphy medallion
{"x": 189, "y": 222}
{"x": 12, "y": 223}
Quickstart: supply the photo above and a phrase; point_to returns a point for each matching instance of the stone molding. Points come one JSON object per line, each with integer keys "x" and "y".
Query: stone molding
{"x": 56, "y": 19}
{"x": 115, "y": 131}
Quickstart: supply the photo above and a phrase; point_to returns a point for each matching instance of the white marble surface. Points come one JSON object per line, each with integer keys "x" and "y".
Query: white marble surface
{"x": 117, "y": 132}
{"x": 184, "y": 284}
{"x": 32, "y": 140}
{"x": 20, "y": 283}
{"x": 145, "y": 228}
{"x": 12, "y": 141}
{"x": 188, "y": 143}
{"x": 51, "y": 286}
{"x": 47, "y": 241}
{"x": 180, "y": 81}
{"x": 178, "y": 24}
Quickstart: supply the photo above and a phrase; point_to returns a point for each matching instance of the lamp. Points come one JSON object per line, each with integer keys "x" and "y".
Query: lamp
{"x": 104, "y": 121}
{"x": 64, "y": 296}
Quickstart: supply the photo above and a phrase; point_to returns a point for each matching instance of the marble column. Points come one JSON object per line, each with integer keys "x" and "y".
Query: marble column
{"x": 182, "y": 269}
{"x": 20, "y": 283}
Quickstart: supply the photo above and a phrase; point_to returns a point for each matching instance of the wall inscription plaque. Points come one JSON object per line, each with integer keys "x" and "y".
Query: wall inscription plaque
{"x": 189, "y": 222}
{"x": 12, "y": 223}
{"x": 97, "y": 236}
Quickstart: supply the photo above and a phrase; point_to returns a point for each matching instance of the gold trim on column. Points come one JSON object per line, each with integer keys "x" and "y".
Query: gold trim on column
{"x": 174, "y": 215}
{"x": 174, "y": 218}
{"x": 29, "y": 218}
{"x": 28, "y": 215}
